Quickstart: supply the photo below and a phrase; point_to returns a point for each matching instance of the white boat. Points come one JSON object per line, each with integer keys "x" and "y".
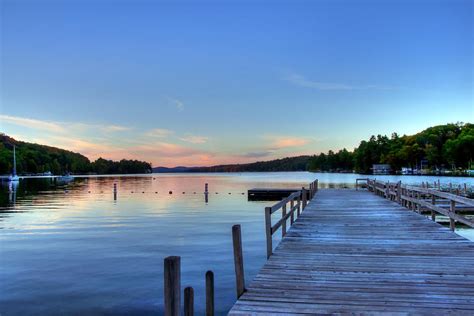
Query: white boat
{"x": 65, "y": 178}
{"x": 13, "y": 177}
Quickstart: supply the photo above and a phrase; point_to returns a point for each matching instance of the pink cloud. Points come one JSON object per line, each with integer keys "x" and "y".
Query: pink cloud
{"x": 285, "y": 142}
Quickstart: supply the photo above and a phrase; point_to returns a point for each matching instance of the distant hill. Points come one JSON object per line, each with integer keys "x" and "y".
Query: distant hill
{"x": 298, "y": 163}
{"x": 34, "y": 158}
{"x": 171, "y": 170}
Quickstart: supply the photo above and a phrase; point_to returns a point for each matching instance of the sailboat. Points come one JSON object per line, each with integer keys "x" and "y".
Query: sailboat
{"x": 13, "y": 177}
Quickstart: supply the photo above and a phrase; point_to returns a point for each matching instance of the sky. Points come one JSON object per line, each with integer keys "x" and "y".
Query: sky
{"x": 199, "y": 83}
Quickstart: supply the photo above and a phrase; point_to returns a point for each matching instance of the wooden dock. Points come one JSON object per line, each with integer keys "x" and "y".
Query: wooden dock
{"x": 355, "y": 252}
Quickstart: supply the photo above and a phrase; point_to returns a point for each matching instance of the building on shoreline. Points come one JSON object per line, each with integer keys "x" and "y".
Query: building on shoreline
{"x": 383, "y": 169}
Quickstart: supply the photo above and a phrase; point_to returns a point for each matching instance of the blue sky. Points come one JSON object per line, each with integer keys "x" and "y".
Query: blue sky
{"x": 206, "y": 82}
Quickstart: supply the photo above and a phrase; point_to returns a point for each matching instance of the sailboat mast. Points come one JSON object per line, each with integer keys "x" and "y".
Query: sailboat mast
{"x": 14, "y": 161}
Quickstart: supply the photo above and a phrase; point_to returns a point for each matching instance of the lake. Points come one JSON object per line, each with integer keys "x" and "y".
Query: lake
{"x": 70, "y": 248}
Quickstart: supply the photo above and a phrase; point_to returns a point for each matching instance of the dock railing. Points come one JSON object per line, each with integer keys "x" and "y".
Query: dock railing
{"x": 298, "y": 201}
{"x": 420, "y": 199}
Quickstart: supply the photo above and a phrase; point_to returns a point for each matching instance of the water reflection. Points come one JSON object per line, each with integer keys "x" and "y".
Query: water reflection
{"x": 95, "y": 245}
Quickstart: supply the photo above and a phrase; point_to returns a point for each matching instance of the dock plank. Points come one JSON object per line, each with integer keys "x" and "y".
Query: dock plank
{"x": 354, "y": 252}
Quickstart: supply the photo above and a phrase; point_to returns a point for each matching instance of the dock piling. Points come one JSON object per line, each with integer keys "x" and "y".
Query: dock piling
{"x": 304, "y": 197}
{"x": 283, "y": 224}
{"x": 268, "y": 230}
{"x": 209, "y": 293}
{"x": 238, "y": 260}
{"x": 172, "y": 286}
{"x": 452, "y": 210}
{"x": 188, "y": 301}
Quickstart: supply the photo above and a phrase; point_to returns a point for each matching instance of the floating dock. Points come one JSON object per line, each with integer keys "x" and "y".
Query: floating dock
{"x": 269, "y": 194}
{"x": 353, "y": 252}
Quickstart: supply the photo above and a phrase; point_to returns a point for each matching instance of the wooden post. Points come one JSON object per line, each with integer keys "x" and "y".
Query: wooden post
{"x": 292, "y": 217}
{"x": 303, "y": 192}
{"x": 452, "y": 209}
{"x": 439, "y": 185}
{"x": 188, "y": 301}
{"x": 283, "y": 225}
{"x": 465, "y": 188}
{"x": 317, "y": 185}
{"x": 298, "y": 203}
{"x": 206, "y": 188}
{"x": 209, "y": 293}
{"x": 172, "y": 279}
{"x": 433, "y": 213}
{"x": 238, "y": 260}
{"x": 115, "y": 191}
{"x": 268, "y": 230}
{"x": 450, "y": 187}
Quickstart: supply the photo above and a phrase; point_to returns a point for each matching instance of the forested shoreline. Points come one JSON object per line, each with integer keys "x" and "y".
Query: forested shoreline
{"x": 36, "y": 159}
{"x": 443, "y": 147}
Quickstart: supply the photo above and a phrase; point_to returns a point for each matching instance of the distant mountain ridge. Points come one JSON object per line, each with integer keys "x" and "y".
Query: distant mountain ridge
{"x": 298, "y": 163}
{"x": 171, "y": 170}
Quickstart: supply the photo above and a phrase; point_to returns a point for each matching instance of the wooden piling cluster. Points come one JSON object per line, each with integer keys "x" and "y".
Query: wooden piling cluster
{"x": 421, "y": 199}
{"x": 172, "y": 290}
{"x": 294, "y": 211}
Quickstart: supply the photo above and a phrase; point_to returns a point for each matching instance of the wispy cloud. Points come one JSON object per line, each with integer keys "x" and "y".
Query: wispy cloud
{"x": 32, "y": 123}
{"x": 177, "y": 103}
{"x": 300, "y": 80}
{"x": 280, "y": 142}
{"x": 159, "y": 133}
{"x": 115, "y": 128}
{"x": 194, "y": 139}
{"x": 52, "y": 126}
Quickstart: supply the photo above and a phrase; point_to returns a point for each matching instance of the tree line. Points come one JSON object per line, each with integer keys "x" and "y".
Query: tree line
{"x": 449, "y": 146}
{"x": 34, "y": 158}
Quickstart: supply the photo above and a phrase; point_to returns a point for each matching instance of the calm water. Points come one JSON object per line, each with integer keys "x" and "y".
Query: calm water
{"x": 71, "y": 249}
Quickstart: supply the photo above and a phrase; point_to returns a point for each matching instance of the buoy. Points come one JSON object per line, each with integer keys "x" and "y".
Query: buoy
{"x": 143, "y": 192}
{"x": 183, "y": 192}
{"x": 170, "y": 192}
{"x": 89, "y": 192}
{"x": 230, "y": 193}
{"x": 156, "y": 192}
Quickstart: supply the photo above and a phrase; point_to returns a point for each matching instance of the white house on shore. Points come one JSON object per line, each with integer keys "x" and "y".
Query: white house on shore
{"x": 381, "y": 169}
